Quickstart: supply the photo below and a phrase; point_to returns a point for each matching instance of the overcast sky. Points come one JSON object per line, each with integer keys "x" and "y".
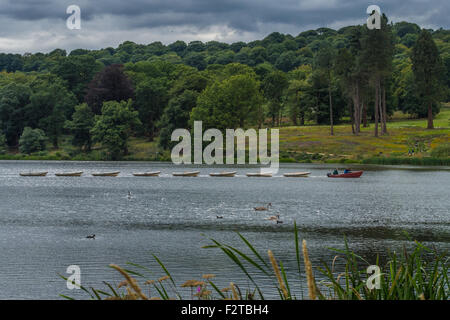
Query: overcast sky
{"x": 40, "y": 25}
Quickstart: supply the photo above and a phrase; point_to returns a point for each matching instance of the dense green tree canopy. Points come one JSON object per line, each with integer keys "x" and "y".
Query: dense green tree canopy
{"x": 81, "y": 125}
{"x": 428, "y": 72}
{"x": 273, "y": 86}
{"x": 316, "y": 77}
{"x": 32, "y": 140}
{"x": 51, "y": 104}
{"x": 14, "y": 100}
{"x": 114, "y": 126}
{"x": 231, "y": 103}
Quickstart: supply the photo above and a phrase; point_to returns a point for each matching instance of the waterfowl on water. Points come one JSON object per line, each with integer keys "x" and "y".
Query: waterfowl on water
{"x": 219, "y": 217}
{"x": 263, "y": 208}
{"x": 274, "y": 218}
{"x": 92, "y": 236}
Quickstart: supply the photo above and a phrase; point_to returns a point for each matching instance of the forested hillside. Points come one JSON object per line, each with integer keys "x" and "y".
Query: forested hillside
{"x": 102, "y": 99}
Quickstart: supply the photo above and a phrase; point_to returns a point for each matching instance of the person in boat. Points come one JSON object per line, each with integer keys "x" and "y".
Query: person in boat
{"x": 347, "y": 171}
{"x": 335, "y": 171}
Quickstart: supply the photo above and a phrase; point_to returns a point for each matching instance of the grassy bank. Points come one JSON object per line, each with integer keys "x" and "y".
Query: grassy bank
{"x": 310, "y": 143}
{"x": 417, "y": 274}
{"x": 314, "y": 143}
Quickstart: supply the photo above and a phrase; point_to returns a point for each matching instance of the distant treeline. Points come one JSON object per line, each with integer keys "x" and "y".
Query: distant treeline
{"x": 320, "y": 76}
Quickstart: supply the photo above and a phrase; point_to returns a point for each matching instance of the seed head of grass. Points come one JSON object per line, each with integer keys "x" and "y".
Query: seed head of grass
{"x": 131, "y": 282}
{"x": 233, "y": 290}
{"x": 113, "y": 298}
{"x": 163, "y": 278}
{"x": 309, "y": 273}
{"x": 276, "y": 269}
{"x": 189, "y": 283}
{"x": 203, "y": 294}
{"x": 199, "y": 284}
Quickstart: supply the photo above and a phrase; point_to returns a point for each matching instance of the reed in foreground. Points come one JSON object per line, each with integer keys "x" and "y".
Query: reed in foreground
{"x": 420, "y": 274}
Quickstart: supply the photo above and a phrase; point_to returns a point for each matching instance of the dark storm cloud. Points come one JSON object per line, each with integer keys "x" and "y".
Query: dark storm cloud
{"x": 223, "y": 19}
{"x": 240, "y": 14}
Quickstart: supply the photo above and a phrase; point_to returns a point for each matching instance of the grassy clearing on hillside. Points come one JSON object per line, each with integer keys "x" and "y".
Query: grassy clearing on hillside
{"x": 403, "y": 135}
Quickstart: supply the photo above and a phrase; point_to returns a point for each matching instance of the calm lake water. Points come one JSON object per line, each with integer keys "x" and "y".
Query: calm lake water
{"x": 44, "y": 221}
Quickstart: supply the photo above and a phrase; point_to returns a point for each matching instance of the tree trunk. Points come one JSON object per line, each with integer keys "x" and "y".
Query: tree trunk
{"x": 331, "y": 111}
{"x": 383, "y": 102}
{"x": 430, "y": 116}
{"x": 357, "y": 109}
{"x": 364, "y": 115}
{"x": 151, "y": 135}
{"x": 352, "y": 117}
{"x": 260, "y": 117}
{"x": 317, "y": 108}
{"x": 88, "y": 145}
{"x": 358, "y": 119}
{"x": 294, "y": 118}
{"x": 380, "y": 110}
{"x": 376, "y": 106}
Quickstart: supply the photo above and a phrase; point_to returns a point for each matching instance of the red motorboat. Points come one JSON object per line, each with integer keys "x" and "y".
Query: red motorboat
{"x": 351, "y": 174}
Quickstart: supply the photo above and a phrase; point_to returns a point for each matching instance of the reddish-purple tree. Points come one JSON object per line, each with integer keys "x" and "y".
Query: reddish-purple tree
{"x": 110, "y": 84}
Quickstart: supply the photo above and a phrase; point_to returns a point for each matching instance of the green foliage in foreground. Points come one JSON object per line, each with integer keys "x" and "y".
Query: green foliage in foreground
{"x": 421, "y": 273}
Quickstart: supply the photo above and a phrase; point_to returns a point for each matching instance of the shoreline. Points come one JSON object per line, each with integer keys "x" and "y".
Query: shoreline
{"x": 382, "y": 161}
{"x": 286, "y": 164}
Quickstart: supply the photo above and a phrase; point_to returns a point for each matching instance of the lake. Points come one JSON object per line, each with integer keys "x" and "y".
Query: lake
{"x": 44, "y": 221}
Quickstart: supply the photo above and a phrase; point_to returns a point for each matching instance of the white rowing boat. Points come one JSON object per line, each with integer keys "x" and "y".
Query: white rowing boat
{"x": 147, "y": 174}
{"x": 33, "y": 174}
{"x": 223, "y": 174}
{"x": 106, "y": 174}
{"x": 297, "y": 174}
{"x": 69, "y": 174}
{"x": 267, "y": 175}
{"x": 186, "y": 174}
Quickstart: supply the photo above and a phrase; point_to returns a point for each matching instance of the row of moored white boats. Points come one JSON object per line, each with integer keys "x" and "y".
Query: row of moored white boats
{"x": 157, "y": 173}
